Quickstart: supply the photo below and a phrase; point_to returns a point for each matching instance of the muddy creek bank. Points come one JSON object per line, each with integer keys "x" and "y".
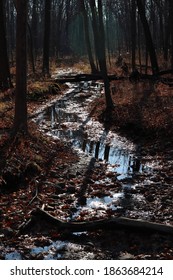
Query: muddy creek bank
{"x": 128, "y": 180}
{"x": 113, "y": 177}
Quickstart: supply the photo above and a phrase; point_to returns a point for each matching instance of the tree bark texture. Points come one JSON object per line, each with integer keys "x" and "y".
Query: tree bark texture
{"x": 171, "y": 28}
{"x": 99, "y": 39}
{"x": 133, "y": 33}
{"x": 87, "y": 37}
{"x": 148, "y": 37}
{"x": 46, "y": 42}
{"x": 20, "y": 118}
{"x": 5, "y": 80}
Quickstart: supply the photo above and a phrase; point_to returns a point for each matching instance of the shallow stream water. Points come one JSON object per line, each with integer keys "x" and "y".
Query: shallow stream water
{"x": 69, "y": 120}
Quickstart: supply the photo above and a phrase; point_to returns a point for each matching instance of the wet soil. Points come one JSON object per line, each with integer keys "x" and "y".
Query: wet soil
{"x": 135, "y": 173}
{"x": 110, "y": 175}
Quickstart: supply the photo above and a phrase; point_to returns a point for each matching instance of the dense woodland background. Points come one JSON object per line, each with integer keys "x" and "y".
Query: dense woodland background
{"x": 60, "y": 24}
{"x": 127, "y": 44}
{"x": 136, "y": 34}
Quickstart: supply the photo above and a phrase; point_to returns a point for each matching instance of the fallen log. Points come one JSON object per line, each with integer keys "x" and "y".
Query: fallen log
{"x": 95, "y": 77}
{"x": 112, "y": 223}
{"x": 86, "y": 77}
{"x": 164, "y": 72}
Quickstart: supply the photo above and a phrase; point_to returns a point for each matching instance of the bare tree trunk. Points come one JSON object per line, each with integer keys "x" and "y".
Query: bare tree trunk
{"x": 99, "y": 39}
{"x": 167, "y": 30}
{"x": 87, "y": 38}
{"x": 46, "y": 42}
{"x": 5, "y": 80}
{"x": 148, "y": 37}
{"x": 171, "y": 25}
{"x": 133, "y": 33}
{"x": 139, "y": 46}
{"x": 20, "y": 118}
{"x": 30, "y": 48}
{"x": 102, "y": 58}
{"x": 10, "y": 27}
{"x": 95, "y": 29}
{"x": 161, "y": 39}
{"x": 34, "y": 29}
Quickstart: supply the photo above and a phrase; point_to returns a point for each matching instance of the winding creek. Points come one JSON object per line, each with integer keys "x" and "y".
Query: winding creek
{"x": 68, "y": 119}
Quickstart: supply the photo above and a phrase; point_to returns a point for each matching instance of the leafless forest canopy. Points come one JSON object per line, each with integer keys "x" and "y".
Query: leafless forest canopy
{"x": 66, "y": 34}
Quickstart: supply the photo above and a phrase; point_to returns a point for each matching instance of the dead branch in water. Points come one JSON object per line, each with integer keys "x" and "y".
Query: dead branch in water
{"x": 112, "y": 223}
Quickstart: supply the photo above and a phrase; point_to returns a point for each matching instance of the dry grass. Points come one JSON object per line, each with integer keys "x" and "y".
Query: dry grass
{"x": 38, "y": 86}
{"x": 83, "y": 66}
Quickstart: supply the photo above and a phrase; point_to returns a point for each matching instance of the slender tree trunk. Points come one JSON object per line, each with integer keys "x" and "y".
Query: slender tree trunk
{"x": 161, "y": 39}
{"x": 102, "y": 58}
{"x": 59, "y": 30}
{"x": 95, "y": 29}
{"x": 99, "y": 39}
{"x": 148, "y": 37}
{"x": 146, "y": 60}
{"x": 87, "y": 37}
{"x": 34, "y": 29}
{"x": 171, "y": 24}
{"x": 31, "y": 48}
{"x": 46, "y": 43}
{"x": 108, "y": 37}
{"x": 20, "y": 118}
{"x": 10, "y": 27}
{"x": 5, "y": 80}
{"x": 167, "y": 30}
{"x": 133, "y": 33}
{"x": 139, "y": 46}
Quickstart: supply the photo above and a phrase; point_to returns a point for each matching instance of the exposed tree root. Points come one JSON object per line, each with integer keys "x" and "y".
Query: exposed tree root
{"x": 113, "y": 223}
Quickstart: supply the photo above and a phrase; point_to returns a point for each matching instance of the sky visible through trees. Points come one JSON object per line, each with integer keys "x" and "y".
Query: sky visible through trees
{"x": 66, "y": 35}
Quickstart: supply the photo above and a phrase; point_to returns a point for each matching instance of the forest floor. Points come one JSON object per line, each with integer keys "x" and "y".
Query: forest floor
{"x": 35, "y": 168}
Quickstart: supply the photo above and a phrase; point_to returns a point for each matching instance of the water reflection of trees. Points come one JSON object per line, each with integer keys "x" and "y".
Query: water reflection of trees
{"x": 126, "y": 163}
{"x": 113, "y": 155}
